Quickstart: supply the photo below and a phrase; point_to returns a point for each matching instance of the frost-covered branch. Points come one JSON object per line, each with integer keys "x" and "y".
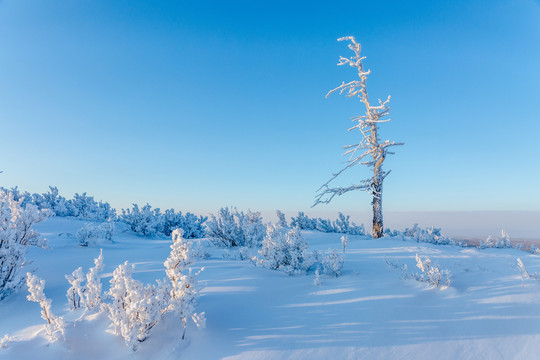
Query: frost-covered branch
{"x": 55, "y": 326}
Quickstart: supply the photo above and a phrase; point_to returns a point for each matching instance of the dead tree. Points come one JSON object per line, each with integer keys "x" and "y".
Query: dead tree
{"x": 370, "y": 151}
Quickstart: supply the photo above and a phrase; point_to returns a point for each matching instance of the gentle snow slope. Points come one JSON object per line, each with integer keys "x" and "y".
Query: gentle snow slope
{"x": 255, "y": 313}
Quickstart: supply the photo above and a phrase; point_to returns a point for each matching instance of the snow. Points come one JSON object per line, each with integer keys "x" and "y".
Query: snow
{"x": 370, "y": 312}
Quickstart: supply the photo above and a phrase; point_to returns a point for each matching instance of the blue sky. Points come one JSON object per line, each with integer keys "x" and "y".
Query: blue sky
{"x": 199, "y": 104}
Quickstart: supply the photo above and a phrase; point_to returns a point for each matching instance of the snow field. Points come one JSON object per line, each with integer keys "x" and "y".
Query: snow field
{"x": 369, "y": 312}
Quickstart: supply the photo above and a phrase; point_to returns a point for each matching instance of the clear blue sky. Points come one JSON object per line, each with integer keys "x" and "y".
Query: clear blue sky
{"x": 200, "y": 104}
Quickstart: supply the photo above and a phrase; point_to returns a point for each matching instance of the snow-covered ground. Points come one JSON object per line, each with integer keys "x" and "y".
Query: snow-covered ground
{"x": 370, "y": 312}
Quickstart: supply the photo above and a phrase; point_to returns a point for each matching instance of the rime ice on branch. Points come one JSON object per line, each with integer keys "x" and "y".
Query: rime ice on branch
{"x": 370, "y": 151}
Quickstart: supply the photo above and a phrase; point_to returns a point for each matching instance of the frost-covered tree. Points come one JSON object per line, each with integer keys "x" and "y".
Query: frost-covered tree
{"x": 91, "y": 232}
{"x": 287, "y": 251}
{"x": 370, "y": 151}
{"x": 135, "y": 308}
{"x": 87, "y": 294}
{"x": 183, "y": 290}
{"x": 303, "y": 222}
{"x": 55, "y": 324}
{"x": 16, "y": 234}
{"x": 282, "y": 222}
{"x": 234, "y": 228}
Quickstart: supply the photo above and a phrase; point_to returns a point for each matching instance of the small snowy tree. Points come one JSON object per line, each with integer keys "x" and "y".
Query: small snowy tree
{"x": 89, "y": 294}
{"x": 93, "y": 232}
{"x": 135, "y": 308}
{"x": 282, "y": 222}
{"x": 234, "y": 228}
{"x": 183, "y": 291}
{"x": 55, "y": 325}
{"x": 16, "y": 234}
{"x": 332, "y": 262}
{"x": 370, "y": 151}
{"x": 287, "y": 251}
{"x": 431, "y": 273}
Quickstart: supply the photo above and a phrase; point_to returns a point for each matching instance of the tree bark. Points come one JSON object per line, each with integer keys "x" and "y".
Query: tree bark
{"x": 377, "y": 231}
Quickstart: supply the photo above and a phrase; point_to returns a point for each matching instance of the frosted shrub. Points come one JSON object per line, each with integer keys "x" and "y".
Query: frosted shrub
{"x": 55, "y": 326}
{"x": 234, "y": 228}
{"x": 86, "y": 295}
{"x": 192, "y": 225}
{"x": 303, "y": 222}
{"x": 317, "y": 281}
{"x": 344, "y": 243}
{"x": 286, "y": 251}
{"x": 282, "y": 222}
{"x": 332, "y": 262}
{"x": 82, "y": 206}
{"x": 150, "y": 222}
{"x": 431, "y": 273}
{"x": 143, "y": 221}
{"x": 524, "y": 273}
{"x": 92, "y": 232}
{"x": 500, "y": 243}
{"x": 534, "y": 250}
{"x": 342, "y": 225}
{"x": 184, "y": 289}
{"x": 428, "y": 235}
{"x": 324, "y": 225}
{"x": 16, "y": 234}
{"x": 136, "y": 308}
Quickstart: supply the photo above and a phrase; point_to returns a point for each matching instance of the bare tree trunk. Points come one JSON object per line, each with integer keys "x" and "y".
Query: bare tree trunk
{"x": 377, "y": 231}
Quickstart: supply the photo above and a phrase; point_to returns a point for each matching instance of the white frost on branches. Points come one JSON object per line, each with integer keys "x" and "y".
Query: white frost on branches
{"x": 55, "y": 326}
{"x": 234, "y": 228}
{"x": 431, "y": 273}
{"x": 370, "y": 151}
{"x": 287, "y": 251}
{"x": 136, "y": 308}
{"x": 91, "y": 232}
{"x": 89, "y": 294}
{"x": 16, "y": 234}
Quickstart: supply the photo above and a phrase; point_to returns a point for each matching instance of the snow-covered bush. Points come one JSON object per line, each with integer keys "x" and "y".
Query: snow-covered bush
{"x": 344, "y": 226}
{"x": 16, "y": 234}
{"x": 287, "y": 251}
{"x": 184, "y": 289}
{"x": 428, "y": 235}
{"x": 86, "y": 295}
{"x": 332, "y": 262}
{"x": 234, "y": 228}
{"x": 192, "y": 224}
{"x": 143, "y": 221}
{"x": 86, "y": 207}
{"x": 136, "y": 308}
{"x": 82, "y": 206}
{"x": 534, "y": 250}
{"x": 344, "y": 243}
{"x": 150, "y": 222}
{"x": 500, "y": 243}
{"x": 55, "y": 326}
{"x": 91, "y": 232}
{"x": 431, "y": 273}
{"x": 303, "y": 222}
{"x": 324, "y": 225}
{"x": 282, "y": 222}
{"x": 340, "y": 225}
{"x": 525, "y": 274}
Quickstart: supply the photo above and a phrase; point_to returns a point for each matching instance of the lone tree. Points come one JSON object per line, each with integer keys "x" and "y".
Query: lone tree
{"x": 370, "y": 151}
